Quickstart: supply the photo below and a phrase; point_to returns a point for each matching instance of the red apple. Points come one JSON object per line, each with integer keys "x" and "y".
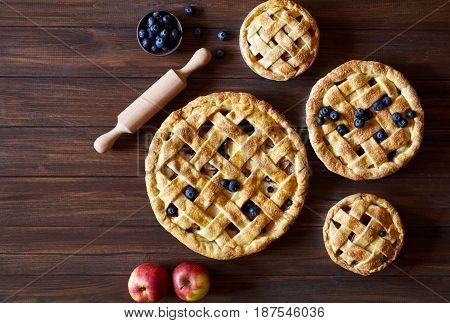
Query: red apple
{"x": 148, "y": 283}
{"x": 191, "y": 281}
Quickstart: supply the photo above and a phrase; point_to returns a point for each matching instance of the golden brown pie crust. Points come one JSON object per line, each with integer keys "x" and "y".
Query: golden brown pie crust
{"x": 279, "y": 39}
{"x": 359, "y": 84}
{"x": 363, "y": 233}
{"x": 196, "y": 226}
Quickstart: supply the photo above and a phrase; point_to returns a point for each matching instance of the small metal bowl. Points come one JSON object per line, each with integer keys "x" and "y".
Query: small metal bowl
{"x": 143, "y": 25}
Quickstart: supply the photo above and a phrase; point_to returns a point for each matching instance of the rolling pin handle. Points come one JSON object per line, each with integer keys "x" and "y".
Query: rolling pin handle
{"x": 104, "y": 143}
{"x": 200, "y": 58}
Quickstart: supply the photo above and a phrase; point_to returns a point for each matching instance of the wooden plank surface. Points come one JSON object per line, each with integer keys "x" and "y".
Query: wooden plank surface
{"x": 67, "y": 151}
{"x": 31, "y": 52}
{"x": 422, "y": 255}
{"x": 93, "y": 102}
{"x": 59, "y": 197}
{"x": 105, "y": 201}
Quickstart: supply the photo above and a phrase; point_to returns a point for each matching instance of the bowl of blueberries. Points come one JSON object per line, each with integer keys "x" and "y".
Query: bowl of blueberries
{"x": 159, "y": 33}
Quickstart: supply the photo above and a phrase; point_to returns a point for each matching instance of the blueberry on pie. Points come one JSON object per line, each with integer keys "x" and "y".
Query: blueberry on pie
{"x": 378, "y": 111}
{"x": 363, "y": 233}
{"x": 230, "y": 212}
{"x": 279, "y": 39}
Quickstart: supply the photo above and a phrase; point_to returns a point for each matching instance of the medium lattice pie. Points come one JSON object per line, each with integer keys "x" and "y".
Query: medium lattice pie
{"x": 364, "y": 120}
{"x": 279, "y": 39}
{"x": 362, "y": 233}
{"x": 226, "y": 175}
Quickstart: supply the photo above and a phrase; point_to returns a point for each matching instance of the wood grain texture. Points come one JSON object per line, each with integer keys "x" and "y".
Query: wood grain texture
{"x": 32, "y": 52}
{"x": 113, "y": 14}
{"x": 72, "y": 102}
{"x": 71, "y": 66}
{"x": 420, "y": 256}
{"x": 68, "y": 151}
{"x": 253, "y": 288}
{"x": 105, "y": 201}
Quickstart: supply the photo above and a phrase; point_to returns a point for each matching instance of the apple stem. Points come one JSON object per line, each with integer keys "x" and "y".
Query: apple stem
{"x": 187, "y": 283}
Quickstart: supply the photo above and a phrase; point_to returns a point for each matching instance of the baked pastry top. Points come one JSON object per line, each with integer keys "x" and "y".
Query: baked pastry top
{"x": 362, "y": 233}
{"x": 365, "y": 120}
{"x": 279, "y": 39}
{"x": 226, "y": 175}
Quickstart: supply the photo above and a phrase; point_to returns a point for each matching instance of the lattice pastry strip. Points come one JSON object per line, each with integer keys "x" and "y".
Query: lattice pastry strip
{"x": 279, "y": 39}
{"x": 364, "y": 120}
{"x": 195, "y": 206}
{"x": 362, "y": 233}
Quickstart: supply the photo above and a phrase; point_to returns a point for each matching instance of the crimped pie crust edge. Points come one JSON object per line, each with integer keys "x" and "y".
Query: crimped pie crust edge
{"x": 370, "y": 198}
{"x": 211, "y": 249}
{"x": 245, "y": 48}
{"x": 315, "y": 103}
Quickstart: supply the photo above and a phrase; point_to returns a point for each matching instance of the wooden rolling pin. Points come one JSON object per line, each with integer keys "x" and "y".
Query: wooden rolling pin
{"x": 152, "y": 100}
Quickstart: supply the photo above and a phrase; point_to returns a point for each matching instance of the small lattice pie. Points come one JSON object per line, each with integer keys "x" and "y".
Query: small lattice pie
{"x": 226, "y": 175}
{"x": 279, "y": 39}
{"x": 362, "y": 233}
{"x": 365, "y": 120}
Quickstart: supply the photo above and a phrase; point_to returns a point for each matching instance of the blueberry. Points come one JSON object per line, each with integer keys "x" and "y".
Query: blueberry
{"x": 386, "y": 100}
{"x": 151, "y": 21}
{"x": 224, "y": 182}
{"x": 382, "y": 233}
{"x": 320, "y": 120}
{"x": 223, "y": 149}
{"x": 383, "y": 258}
{"x": 342, "y": 129}
{"x": 367, "y": 115}
{"x": 334, "y": 115}
{"x": 396, "y": 116}
{"x": 150, "y": 33}
{"x": 222, "y": 35}
{"x": 198, "y": 31}
{"x": 246, "y": 207}
{"x": 359, "y": 113}
{"x": 172, "y": 210}
{"x": 190, "y": 192}
{"x": 155, "y": 28}
{"x": 154, "y": 49}
{"x": 377, "y": 105}
{"x": 254, "y": 211}
{"x": 164, "y": 34}
{"x": 189, "y": 10}
{"x": 159, "y": 42}
{"x": 157, "y": 15}
{"x": 410, "y": 113}
{"x": 175, "y": 34}
{"x": 220, "y": 53}
{"x": 169, "y": 27}
{"x": 233, "y": 186}
{"x": 270, "y": 189}
{"x": 267, "y": 179}
{"x": 146, "y": 43}
{"x": 324, "y": 112}
{"x": 142, "y": 33}
{"x": 288, "y": 202}
{"x": 166, "y": 49}
{"x": 402, "y": 123}
{"x": 380, "y": 135}
{"x": 359, "y": 123}
{"x": 167, "y": 19}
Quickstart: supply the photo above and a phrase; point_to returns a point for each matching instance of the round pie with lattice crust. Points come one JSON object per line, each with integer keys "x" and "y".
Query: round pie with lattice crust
{"x": 365, "y": 120}
{"x": 226, "y": 175}
{"x": 363, "y": 233}
{"x": 279, "y": 39}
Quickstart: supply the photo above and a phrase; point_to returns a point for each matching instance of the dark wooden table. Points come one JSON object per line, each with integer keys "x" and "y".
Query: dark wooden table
{"x": 75, "y": 223}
